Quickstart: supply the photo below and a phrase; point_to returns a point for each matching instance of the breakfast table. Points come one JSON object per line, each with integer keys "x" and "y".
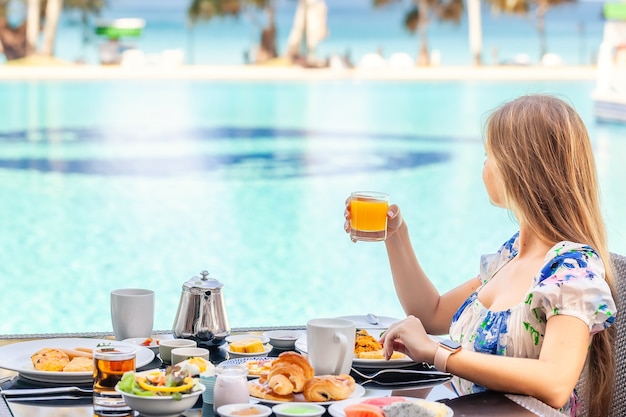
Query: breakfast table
{"x": 78, "y": 405}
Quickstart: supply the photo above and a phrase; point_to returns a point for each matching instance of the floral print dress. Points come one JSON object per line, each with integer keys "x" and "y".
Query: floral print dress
{"x": 571, "y": 282}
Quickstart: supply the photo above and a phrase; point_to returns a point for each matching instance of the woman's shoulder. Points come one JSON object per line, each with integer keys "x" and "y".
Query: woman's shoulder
{"x": 572, "y": 283}
{"x": 571, "y": 257}
{"x": 490, "y": 263}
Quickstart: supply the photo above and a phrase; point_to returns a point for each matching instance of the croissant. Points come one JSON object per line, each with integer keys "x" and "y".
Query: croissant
{"x": 289, "y": 373}
{"x": 329, "y": 388}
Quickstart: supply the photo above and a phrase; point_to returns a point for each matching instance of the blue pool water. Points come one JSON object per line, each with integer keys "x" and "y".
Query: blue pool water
{"x": 143, "y": 184}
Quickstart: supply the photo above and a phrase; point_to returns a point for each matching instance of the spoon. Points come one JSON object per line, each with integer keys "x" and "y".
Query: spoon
{"x": 372, "y": 318}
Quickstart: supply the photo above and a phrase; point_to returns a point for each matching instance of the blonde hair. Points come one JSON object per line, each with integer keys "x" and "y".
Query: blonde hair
{"x": 544, "y": 160}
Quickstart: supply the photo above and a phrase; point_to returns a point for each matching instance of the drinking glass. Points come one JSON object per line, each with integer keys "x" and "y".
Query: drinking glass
{"x": 109, "y": 364}
{"x": 368, "y": 215}
{"x": 231, "y": 386}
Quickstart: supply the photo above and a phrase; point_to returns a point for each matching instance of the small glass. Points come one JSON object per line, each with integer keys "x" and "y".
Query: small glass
{"x": 231, "y": 386}
{"x": 368, "y": 216}
{"x": 109, "y": 365}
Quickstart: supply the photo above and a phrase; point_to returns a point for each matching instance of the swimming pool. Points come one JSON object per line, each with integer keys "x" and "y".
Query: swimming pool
{"x": 115, "y": 184}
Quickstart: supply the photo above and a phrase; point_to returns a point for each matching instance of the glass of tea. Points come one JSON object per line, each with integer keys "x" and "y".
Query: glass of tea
{"x": 368, "y": 215}
{"x": 109, "y": 364}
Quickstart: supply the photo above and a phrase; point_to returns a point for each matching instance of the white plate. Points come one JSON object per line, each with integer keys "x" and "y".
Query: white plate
{"x": 361, "y": 322}
{"x": 358, "y": 392}
{"x": 16, "y": 357}
{"x": 242, "y": 361}
{"x": 153, "y": 346}
{"x": 232, "y": 355}
{"x": 336, "y": 410}
{"x": 365, "y": 363}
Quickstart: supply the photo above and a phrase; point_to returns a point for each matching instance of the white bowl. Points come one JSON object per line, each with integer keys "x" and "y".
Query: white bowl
{"x": 283, "y": 339}
{"x": 229, "y": 410}
{"x": 232, "y": 355}
{"x": 161, "y": 406}
{"x": 293, "y": 409}
{"x": 238, "y": 337}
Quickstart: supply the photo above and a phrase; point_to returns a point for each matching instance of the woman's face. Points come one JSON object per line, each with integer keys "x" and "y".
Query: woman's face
{"x": 492, "y": 185}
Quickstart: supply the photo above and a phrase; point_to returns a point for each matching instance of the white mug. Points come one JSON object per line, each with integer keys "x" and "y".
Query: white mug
{"x": 132, "y": 312}
{"x": 330, "y": 345}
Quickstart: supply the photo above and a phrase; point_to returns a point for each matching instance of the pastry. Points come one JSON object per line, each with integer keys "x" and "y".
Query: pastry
{"x": 289, "y": 373}
{"x": 79, "y": 364}
{"x": 329, "y": 388}
{"x": 263, "y": 391}
{"x": 48, "y": 359}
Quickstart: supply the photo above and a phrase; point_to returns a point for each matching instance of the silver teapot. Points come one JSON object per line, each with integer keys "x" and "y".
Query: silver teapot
{"x": 201, "y": 314}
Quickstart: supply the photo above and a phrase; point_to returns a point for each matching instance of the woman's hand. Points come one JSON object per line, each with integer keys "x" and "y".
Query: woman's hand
{"x": 409, "y": 337}
{"x": 394, "y": 219}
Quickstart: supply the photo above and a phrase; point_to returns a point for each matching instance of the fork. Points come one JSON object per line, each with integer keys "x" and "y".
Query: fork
{"x": 397, "y": 376}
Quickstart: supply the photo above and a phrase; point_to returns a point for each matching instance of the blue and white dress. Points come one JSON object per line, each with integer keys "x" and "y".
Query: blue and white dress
{"x": 571, "y": 282}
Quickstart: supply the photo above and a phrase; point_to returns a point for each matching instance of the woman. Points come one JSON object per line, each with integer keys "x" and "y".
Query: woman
{"x": 540, "y": 305}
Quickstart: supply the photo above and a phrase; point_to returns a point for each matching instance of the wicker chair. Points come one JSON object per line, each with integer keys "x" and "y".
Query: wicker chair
{"x": 618, "y": 405}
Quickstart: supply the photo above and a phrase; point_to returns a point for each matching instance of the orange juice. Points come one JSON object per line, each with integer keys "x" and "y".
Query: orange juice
{"x": 368, "y": 216}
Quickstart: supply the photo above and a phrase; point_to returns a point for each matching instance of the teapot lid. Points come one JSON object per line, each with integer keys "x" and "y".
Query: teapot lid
{"x": 204, "y": 282}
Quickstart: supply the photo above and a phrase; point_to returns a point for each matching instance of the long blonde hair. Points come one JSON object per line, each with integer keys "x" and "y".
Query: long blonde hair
{"x": 543, "y": 155}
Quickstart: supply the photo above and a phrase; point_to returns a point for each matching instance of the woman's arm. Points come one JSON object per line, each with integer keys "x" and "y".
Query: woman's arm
{"x": 417, "y": 294}
{"x": 551, "y": 378}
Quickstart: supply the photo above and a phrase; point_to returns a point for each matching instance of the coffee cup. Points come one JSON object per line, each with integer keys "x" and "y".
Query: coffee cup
{"x": 180, "y": 354}
{"x": 166, "y": 347}
{"x": 330, "y": 345}
{"x": 132, "y": 312}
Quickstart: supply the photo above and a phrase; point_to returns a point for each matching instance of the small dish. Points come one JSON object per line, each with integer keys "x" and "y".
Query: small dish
{"x": 256, "y": 365}
{"x": 244, "y": 409}
{"x": 239, "y": 337}
{"x": 161, "y": 406}
{"x": 151, "y": 342}
{"x": 283, "y": 339}
{"x": 231, "y": 355}
{"x": 299, "y": 410}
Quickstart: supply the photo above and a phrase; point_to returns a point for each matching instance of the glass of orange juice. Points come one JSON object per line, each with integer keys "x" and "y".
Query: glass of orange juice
{"x": 368, "y": 215}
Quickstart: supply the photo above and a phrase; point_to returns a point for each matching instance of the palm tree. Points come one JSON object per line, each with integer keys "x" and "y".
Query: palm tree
{"x": 419, "y": 15}
{"x": 41, "y": 15}
{"x": 205, "y": 10}
{"x": 12, "y": 39}
{"x": 524, "y": 7}
{"x": 52, "y": 14}
{"x": 86, "y": 8}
